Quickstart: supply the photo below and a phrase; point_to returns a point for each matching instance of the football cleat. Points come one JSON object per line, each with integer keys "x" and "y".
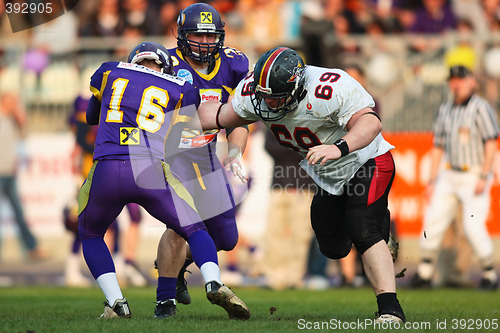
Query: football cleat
{"x": 165, "y": 309}
{"x": 181, "y": 289}
{"x": 388, "y": 318}
{"x": 223, "y": 296}
{"x": 393, "y": 245}
{"x": 119, "y": 310}
{"x": 418, "y": 283}
{"x": 488, "y": 285}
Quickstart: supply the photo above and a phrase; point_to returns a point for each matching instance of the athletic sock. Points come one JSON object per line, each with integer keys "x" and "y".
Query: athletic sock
{"x": 166, "y": 288}
{"x": 388, "y": 304}
{"x": 205, "y": 255}
{"x": 110, "y": 288}
{"x": 97, "y": 257}
{"x": 202, "y": 248}
{"x": 210, "y": 272}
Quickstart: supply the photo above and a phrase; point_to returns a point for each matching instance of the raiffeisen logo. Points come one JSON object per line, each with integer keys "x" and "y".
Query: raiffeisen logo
{"x": 25, "y": 15}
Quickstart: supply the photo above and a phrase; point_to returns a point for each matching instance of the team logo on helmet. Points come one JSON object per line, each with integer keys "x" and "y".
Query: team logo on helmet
{"x": 296, "y": 73}
{"x": 205, "y": 17}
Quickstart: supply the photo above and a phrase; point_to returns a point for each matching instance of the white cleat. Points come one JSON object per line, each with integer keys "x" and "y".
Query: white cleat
{"x": 388, "y": 318}
{"x": 119, "y": 310}
{"x": 225, "y": 298}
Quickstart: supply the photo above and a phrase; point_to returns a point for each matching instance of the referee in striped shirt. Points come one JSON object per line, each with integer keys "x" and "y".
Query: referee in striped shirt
{"x": 465, "y": 133}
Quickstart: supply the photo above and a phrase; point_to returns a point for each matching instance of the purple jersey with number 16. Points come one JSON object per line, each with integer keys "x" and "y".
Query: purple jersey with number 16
{"x": 136, "y": 108}
{"x": 141, "y": 114}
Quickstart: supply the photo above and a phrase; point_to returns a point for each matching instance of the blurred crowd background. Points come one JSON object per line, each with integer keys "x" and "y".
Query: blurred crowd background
{"x": 403, "y": 48}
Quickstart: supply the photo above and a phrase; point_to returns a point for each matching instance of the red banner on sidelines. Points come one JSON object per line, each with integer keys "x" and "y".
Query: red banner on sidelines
{"x": 407, "y": 200}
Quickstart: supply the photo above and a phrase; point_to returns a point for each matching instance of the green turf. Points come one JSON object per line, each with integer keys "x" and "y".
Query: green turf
{"x": 52, "y": 309}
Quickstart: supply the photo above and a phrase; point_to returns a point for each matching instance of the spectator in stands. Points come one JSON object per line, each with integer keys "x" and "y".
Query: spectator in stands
{"x": 12, "y": 128}
{"x": 169, "y": 10}
{"x": 106, "y": 21}
{"x": 433, "y": 17}
{"x": 385, "y": 14}
{"x": 262, "y": 23}
{"x": 58, "y": 36}
{"x": 345, "y": 22}
{"x": 490, "y": 16}
{"x": 470, "y": 11}
{"x": 463, "y": 53}
{"x": 325, "y": 33}
{"x": 142, "y": 15}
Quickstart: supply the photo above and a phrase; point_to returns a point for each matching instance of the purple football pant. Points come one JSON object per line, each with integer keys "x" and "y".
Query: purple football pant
{"x": 134, "y": 210}
{"x": 213, "y": 197}
{"x": 112, "y": 184}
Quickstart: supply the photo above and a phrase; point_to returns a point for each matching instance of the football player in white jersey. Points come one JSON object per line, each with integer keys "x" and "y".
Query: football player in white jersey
{"x": 326, "y": 116}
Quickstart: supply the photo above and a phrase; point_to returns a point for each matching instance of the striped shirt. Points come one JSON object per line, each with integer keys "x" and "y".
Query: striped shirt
{"x": 461, "y": 131}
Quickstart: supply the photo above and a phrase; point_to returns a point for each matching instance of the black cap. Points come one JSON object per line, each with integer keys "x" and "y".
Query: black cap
{"x": 459, "y": 71}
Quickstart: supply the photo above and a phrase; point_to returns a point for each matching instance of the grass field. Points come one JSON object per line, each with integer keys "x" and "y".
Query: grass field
{"x": 57, "y": 309}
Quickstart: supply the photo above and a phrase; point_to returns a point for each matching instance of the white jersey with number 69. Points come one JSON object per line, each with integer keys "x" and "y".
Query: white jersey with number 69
{"x": 333, "y": 96}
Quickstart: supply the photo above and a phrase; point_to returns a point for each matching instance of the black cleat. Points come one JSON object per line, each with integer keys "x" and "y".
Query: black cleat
{"x": 223, "y": 296}
{"x": 418, "y": 283}
{"x": 487, "y": 285}
{"x": 182, "y": 295}
{"x": 165, "y": 309}
{"x": 119, "y": 310}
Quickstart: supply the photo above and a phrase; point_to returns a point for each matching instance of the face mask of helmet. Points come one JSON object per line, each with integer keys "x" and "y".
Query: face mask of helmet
{"x": 202, "y": 52}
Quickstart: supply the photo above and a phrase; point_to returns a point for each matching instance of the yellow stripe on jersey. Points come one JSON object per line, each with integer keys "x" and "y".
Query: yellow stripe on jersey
{"x": 229, "y": 90}
{"x": 98, "y": 92}
{"x": 177, "y": 186}
{"x": 83, "y": 195}
{"x": 208, "y": 76}
{"x": 198, "y": 175}
{"x": 214, "y": 72}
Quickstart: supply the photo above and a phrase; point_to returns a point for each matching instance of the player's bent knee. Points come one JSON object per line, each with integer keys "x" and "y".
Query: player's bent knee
{"x": 226, "y": 244}
{"x": 333, "y": 253}
{"x": 332, "y": 250}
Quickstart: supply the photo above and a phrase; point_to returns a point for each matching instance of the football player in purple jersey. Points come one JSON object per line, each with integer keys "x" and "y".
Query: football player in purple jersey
{"x": 201, "y": 59}
{"x": 141, "y": 109}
